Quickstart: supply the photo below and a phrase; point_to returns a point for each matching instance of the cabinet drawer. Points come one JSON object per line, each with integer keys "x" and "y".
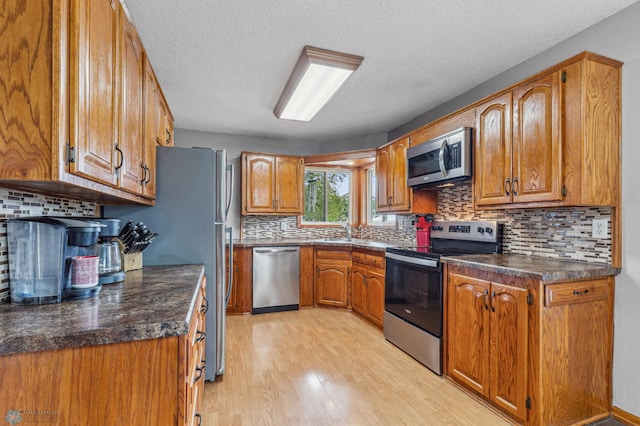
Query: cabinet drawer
{"x": 576, "y": 292}
{"x": 359, "y": 257}
{"x": 333, "y": 253}
{"x": 375, "y": 260}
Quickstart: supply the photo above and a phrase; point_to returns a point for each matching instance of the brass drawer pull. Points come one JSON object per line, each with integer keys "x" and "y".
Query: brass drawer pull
{"x": 200, "y": 336}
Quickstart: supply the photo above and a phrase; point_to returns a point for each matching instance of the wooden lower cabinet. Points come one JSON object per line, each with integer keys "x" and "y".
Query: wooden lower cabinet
{"x": 240, "y": 300}
{"x": 333, "y": 276}
{"x": 306, "y": 277}
{"x": 367, "y": 285}
{"x": 143, "y": 382}
{"x": 540, "y": 352}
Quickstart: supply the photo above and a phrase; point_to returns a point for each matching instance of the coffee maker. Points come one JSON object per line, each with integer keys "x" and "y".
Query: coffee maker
{"x": 52, "y": 259}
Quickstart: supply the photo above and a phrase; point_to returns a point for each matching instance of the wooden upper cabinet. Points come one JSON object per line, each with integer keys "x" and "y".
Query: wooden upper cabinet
{"x": 68, "y": 63}
{"x": 383, "y": 170}
{"x": 130, "y": 142}
{"x": 518, "y": 155}
{"x": 151, "y": 129}
{"x": 401, "y": 193}
{"x": 553, "y": 140}
{"x": 493, "y": 151}
{"x": 271, "y": 184}
{"x": 537, "y": 154}
{"x": 393, "y": 194}
{"x": 288, "y": 185}
{"x": 93, "y": 75}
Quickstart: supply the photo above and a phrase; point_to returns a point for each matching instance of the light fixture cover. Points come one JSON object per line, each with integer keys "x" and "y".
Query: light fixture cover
{"x": 316, "y": 77}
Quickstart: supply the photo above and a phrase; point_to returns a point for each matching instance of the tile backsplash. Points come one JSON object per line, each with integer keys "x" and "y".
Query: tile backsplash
{"x": 18, "y": 204}
{"x": 556, "y": 233}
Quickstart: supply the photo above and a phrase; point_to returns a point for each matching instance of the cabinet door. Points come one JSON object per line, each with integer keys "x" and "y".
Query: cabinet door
{"x": 151, "y": 119}
{"x": 492, "y": 154}
{"x": 332, "y": 284}
{"x": 258, "y": 184}
{"x": 375, "y": 295}
{"x": 359, "y": 290}
{"x": 130, "y": 142}
{"x": 400, "y": 192}
{"x": 537, "y": 149}
{"x": 93, "y": 71}
{"x": 383, "y": 192}
{"x": 468, "y": 326}
{"x": 508, "y": 348}
{"x": 289, "y": 177}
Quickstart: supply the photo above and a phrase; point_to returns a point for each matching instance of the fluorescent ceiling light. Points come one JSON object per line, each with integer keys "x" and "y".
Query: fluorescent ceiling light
{"x": 317, "y": 76}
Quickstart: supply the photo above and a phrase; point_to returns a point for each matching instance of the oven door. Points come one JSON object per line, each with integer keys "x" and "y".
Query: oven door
{"x": 413, "y": 291}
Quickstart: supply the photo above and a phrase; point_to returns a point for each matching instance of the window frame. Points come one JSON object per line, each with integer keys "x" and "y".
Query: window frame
{"x": 353, "y": 204}
{"x": 389, "y": 220}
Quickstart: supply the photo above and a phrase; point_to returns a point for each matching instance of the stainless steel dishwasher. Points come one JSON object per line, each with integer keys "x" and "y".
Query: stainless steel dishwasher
{"x": 276, "y": 279}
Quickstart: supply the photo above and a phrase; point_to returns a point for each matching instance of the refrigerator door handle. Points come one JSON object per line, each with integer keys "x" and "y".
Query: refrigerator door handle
{"x": 229, "y": 231}
{"x": 230, "y": 173}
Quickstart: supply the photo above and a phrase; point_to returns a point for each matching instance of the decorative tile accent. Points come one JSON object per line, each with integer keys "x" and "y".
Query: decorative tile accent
{"x": 18, "y": 204}
{"x": 555, "y": 233}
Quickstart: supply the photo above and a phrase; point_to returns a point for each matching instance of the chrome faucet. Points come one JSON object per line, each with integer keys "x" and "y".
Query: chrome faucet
{"x": 347, "y": 227}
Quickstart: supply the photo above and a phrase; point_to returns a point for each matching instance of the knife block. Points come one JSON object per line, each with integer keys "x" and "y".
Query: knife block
{"x": 132, "y": 261}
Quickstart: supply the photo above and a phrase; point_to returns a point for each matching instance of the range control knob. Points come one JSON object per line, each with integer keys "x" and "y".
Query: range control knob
{"x": 488, "y": 230}
{"x": 436, "y": 228}
{"x": 481, "y": 229}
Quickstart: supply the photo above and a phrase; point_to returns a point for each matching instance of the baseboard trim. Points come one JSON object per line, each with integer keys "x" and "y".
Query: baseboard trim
{"x": 623, "y": 416}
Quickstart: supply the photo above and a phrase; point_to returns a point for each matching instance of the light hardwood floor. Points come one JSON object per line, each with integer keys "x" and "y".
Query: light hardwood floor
{"x": 328, "y": 367}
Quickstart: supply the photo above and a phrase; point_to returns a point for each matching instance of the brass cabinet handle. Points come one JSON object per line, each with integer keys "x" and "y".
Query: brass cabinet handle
{"x": 199, "y": 417}
{"x": 205, "y": 305}
{"x": 168, "y": 139}
{"x": 201, "y": 336}
{"x": 148, "y": 174}
{"x": 484, "y": 299}
{"x": 514, "y": 186}
{"x": 580, "y": 293}
{"x": 507, "y": 186}
{"x": 493, "y": 294}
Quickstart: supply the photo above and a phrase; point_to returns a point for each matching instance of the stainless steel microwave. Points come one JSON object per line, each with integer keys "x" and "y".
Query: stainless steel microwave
{"x": 441, "y": 160}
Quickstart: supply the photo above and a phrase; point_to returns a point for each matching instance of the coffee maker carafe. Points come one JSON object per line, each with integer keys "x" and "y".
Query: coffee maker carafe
{"x": 52, "y": 259}
{"x": 110, "y": 264}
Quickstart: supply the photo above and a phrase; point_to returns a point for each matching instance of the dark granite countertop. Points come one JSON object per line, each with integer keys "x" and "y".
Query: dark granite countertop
{"x": 151, "y": 303}
{"x": 354, "y": 242}
{"x": 540, "y": 268}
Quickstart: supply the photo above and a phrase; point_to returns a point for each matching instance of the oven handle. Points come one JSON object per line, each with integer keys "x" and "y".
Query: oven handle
{"x": 406, "y": 259}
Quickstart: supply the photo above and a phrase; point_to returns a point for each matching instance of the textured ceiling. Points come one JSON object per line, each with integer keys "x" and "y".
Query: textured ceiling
{"x": 222, "y": 64}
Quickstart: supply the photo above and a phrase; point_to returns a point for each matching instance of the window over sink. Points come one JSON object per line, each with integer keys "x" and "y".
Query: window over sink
{"x": 327, "y": 196}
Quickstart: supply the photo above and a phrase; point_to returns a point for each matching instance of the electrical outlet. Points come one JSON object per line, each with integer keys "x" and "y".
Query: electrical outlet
{"x": 599, "y": 228}
{"x": 283, "y": 226}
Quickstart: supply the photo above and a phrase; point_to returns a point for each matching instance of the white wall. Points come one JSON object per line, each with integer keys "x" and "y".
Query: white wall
{"x": 617, "y": 37}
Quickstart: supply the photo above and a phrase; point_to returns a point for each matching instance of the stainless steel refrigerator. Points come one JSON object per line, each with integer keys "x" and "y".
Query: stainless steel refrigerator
{"x": 193, "y": 195}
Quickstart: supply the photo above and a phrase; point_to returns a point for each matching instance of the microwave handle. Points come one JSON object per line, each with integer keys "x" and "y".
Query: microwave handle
{"x": 443, "y": 169}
